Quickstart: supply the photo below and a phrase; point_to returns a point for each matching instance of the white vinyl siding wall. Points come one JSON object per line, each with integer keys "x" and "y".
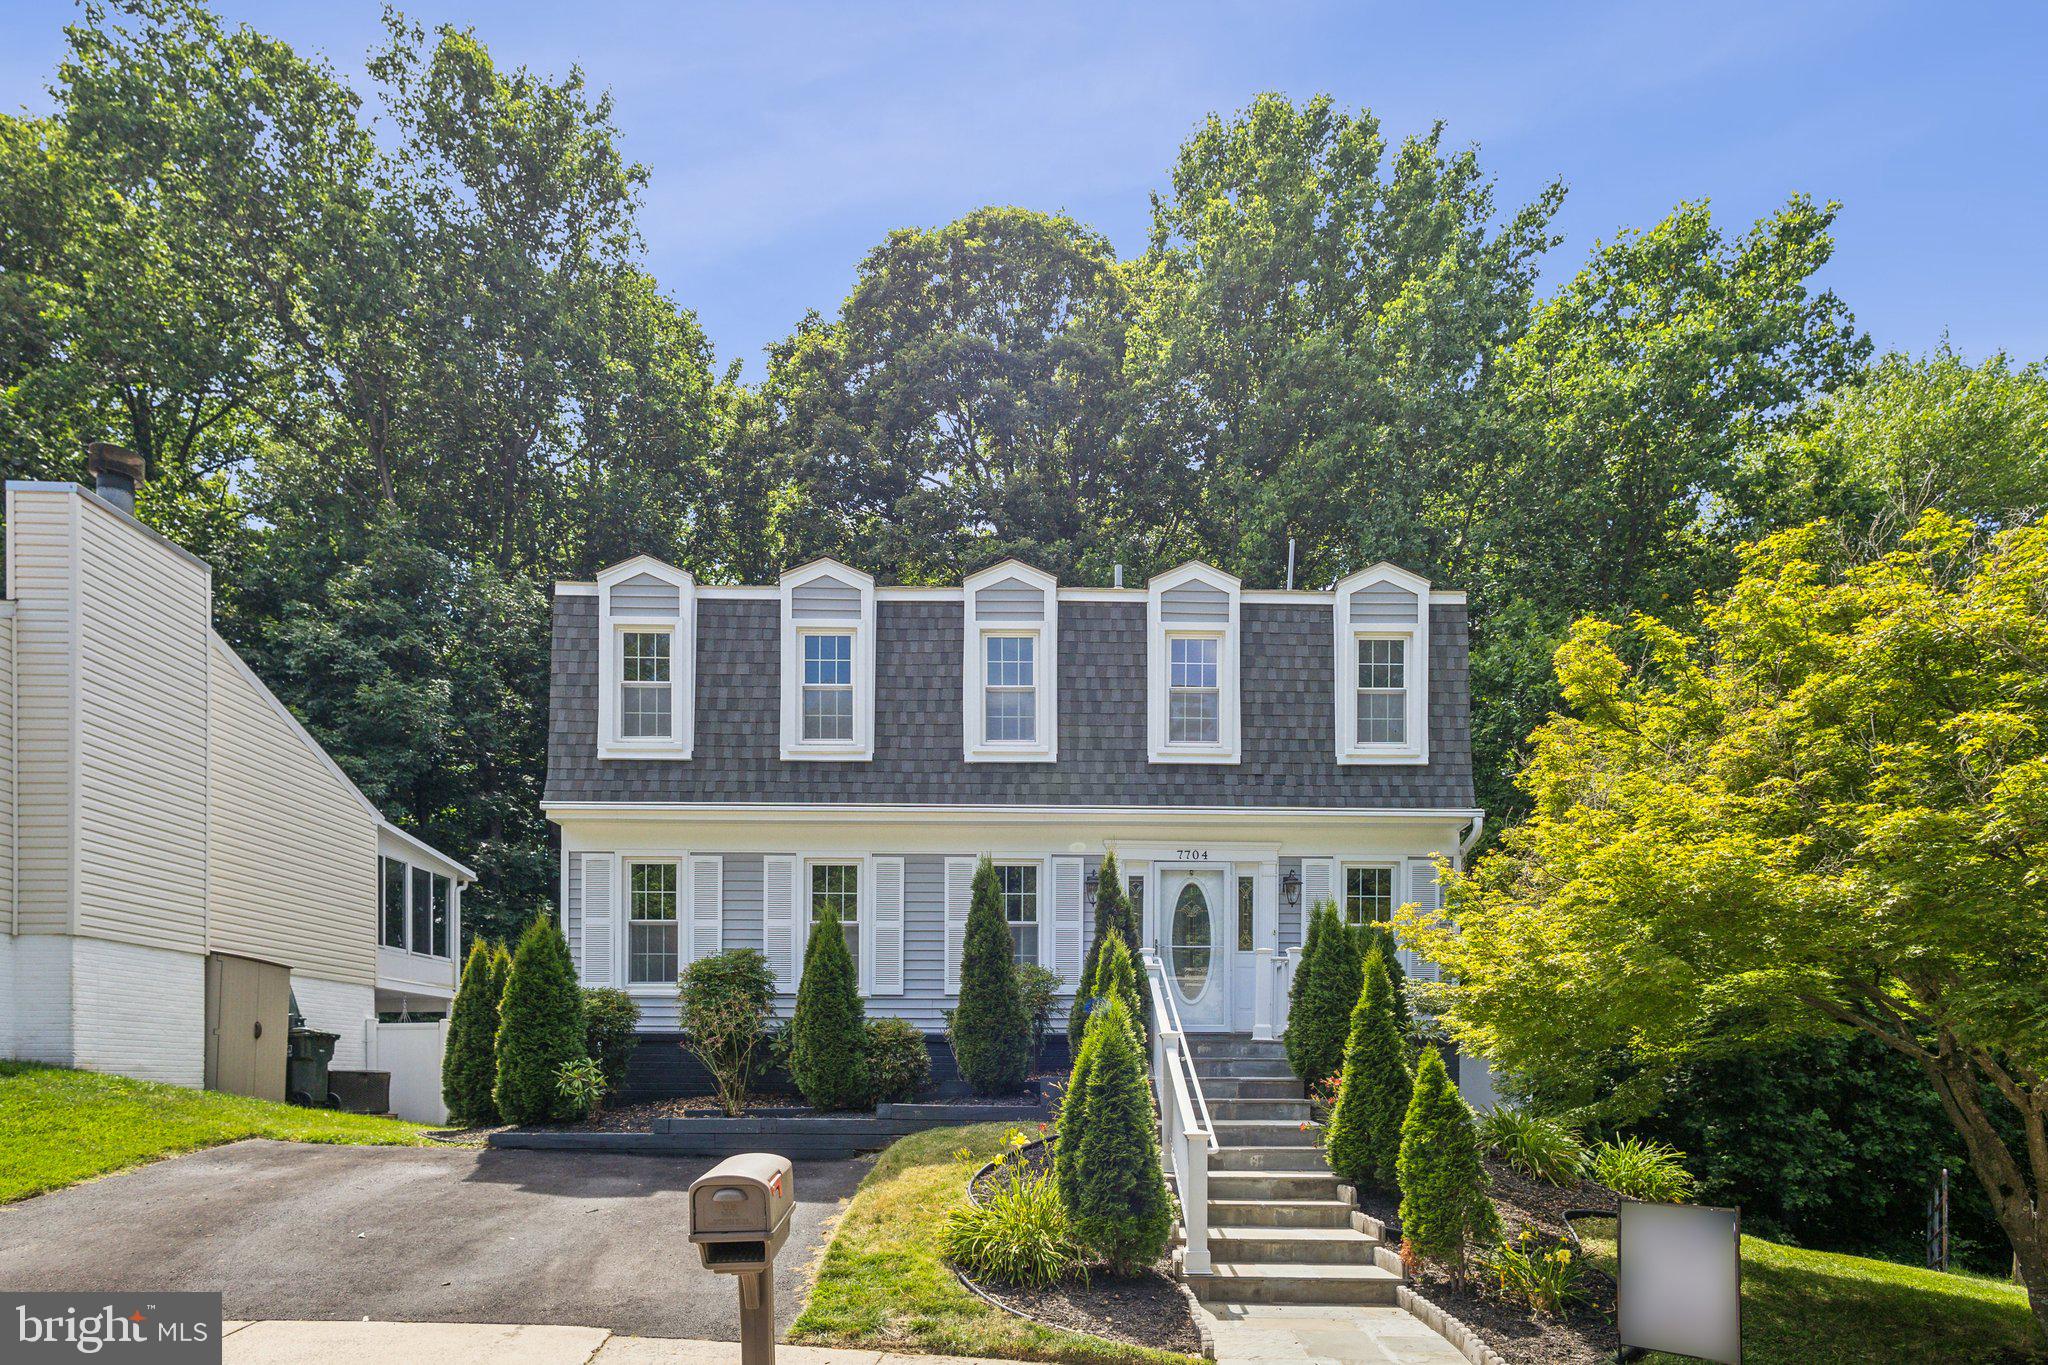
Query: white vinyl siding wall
{"x": 294, "y": 852}
{"x": 144, "y": 620}
{"x": 6, "y": 792}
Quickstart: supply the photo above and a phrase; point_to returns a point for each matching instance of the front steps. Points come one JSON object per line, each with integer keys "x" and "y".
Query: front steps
{"x": 1279, "y": 1229}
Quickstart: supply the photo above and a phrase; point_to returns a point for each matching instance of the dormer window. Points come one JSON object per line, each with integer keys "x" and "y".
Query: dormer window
{"x": 1192, "y": 666}
{"x": 1381, "y": 625}
{"x": 828, "y": 663}
{"x": 1009, "y": 665}
{"x": 647, "y": 615}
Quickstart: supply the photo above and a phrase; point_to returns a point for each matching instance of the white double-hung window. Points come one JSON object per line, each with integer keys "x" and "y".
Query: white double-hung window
{"x": 652, "y": 929}
{"x": 647, "y": 630}
{"x": 835, "y": 892}
{"x": 828, "y": 663}
{"x": 1192, "y": 666}
{"x": 1381, "y": 633}
{"x": 1018, "y": 883}
{"x": 1009, "y": 668}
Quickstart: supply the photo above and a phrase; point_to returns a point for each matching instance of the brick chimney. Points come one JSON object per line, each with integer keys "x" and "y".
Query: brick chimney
{"x": 115, "y": 472}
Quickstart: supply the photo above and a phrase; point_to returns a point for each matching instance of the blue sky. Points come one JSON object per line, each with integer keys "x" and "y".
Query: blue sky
{"x": 784, "y": 140}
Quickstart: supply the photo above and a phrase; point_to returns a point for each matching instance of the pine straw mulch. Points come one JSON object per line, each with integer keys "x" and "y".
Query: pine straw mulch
{"x": 1147, "y": 1309}
{"x": 1585, "y": 1335}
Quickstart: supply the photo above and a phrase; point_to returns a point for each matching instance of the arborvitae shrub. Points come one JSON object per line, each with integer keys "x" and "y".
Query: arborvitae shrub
{"x": 1300, "y": 990}
{"x": 609, "y": 1020}
{"x": 1072, "y": 1119}
{"x": 1363, "y": 1140}
{"x": 828, "y": 1035}
{"x": 1444, "y": 1207}
{"x": 1114, "y": 917}
{"x": 540, "y": 1026}
{"x": 991, "y": 1034}
{"x": 1382, "y": 936}
{"x": 1116, "y": 978}
{"x": 1120, "y": 1205}
{"x": 1320, "y": 1020}
{"x": 469, "y": 1065}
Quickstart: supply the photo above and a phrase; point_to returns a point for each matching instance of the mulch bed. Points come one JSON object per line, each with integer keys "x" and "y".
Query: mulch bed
{"x": 1146, "y": 1309}
{"x": 1585, "y": 1336}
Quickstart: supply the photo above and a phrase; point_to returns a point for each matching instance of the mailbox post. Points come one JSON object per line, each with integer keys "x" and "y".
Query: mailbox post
{"x": 739, "y": 1219}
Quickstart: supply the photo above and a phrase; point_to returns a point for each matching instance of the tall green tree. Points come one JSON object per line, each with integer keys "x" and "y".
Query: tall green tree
{"x": 828, "y": 1057}
{"x": 469, "y": 1062}
{"x": 1827, "y": 808}
{"x": 991, "y": 1030}
{"x": 540, "y": 1026}
{"x": 1363, "y": 1138}
{"x": 1114, "y": 918}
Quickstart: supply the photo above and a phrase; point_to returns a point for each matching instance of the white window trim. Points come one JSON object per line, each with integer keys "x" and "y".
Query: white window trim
{"x": 681, "y": 863}
{"x": 863, "y": 908}
{"x": 980, "y": 628}
{"x": 682, "y": 629}
{"x": 1343, "y": 888}
{"x": 405, "y": 918}
{"x": 1228, "y": 747}
{"x": 1041, "y": 906}
{"x": 861, "y": 625}
{"x": 1345, "y": 638}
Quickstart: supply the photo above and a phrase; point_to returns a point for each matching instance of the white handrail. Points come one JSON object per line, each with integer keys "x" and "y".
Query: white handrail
{"x": 1186, "y": 1133}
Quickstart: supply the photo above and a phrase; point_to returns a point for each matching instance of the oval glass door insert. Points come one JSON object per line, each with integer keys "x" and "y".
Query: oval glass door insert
{"x": 1191, "y": 940}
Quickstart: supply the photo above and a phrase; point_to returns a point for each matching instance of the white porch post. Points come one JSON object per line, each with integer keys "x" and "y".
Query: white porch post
{"x": 1266, "y": 943}
{"x": 1194, "y": 1202}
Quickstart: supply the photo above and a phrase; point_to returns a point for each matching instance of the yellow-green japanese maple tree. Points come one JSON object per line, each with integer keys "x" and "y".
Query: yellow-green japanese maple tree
{"x": 1826, "y": 808}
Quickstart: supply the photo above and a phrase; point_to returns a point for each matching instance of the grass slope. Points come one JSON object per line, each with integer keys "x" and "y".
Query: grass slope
{"x": 59, "y": 1127}
{"x": 1804, "y": 1307}
{"x": 883, "y": 1284}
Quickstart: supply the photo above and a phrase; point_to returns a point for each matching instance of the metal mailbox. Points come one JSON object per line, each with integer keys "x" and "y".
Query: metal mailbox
{"x": 740, "y": 1209}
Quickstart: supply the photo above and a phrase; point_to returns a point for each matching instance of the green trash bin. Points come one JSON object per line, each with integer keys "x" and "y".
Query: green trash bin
{"x": 307, "y": 1055}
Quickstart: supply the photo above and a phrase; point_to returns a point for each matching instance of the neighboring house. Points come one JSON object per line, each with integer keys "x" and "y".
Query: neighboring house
{"x": 724, "y": 762}
{"x": 179, "y": 859}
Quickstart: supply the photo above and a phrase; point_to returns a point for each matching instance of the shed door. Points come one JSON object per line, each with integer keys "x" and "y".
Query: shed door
{"x": 248, "y": 1018}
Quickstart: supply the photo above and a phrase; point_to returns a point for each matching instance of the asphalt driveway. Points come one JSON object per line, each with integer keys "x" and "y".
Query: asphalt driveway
{"x": 414, "y": 1234}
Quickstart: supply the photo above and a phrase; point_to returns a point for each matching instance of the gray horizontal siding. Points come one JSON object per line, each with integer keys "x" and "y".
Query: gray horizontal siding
{"x": 824, "y": 599}
{"x": 1194, "y": 602}
{"x": 647, "y": 595}
{"x": 1289, "y": 736}
{"x": 1011, "y": 600}
{"x": 1383, "y": 603}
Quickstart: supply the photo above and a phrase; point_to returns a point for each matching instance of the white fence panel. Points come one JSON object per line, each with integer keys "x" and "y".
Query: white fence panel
{"x": 412, "y": 1054}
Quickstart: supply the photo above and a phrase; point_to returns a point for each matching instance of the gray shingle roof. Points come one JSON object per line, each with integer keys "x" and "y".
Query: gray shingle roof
{"x": 1288, "y": 719}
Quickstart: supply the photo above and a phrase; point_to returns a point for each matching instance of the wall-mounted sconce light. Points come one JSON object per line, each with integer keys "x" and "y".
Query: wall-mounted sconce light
{"x": 1290, "y": 887}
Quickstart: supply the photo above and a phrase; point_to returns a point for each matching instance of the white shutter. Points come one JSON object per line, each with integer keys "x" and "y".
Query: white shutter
{"x": 959, "y": 895}
{"x": 1428, "y": 897}
{"x": 707, "y": 905}
{"x": 1065, "y": 955}
{"x": 1318, "y": 884}
{"x": 600, "y": 916}
{"x": 778, "y": 922}
{"x": 886, "y": 954}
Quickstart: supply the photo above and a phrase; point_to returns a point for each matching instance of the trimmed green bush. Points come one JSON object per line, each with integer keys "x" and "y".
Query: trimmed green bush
{"x": 1120, "y": 1206}
{"x": 1363, "y": 1139}
{"x": 609, "y": 1019}
{"x": 501, "y": 969}
{"x": 1114, "y": 917}
{"x": 1298, "y": 993}
{"x": 1116, "y": 978}
{"x": 1382, "y": 935}
{"x": 828, "y": 1032}
{"x": 1444, "y": 1208}
{"x": 1319, "y": 1022}
{"x": 1069, "y": 1123}
{"x": 540, "y": 1026}
{"x": 1039, "y": 988}
{"x": 469, "y": 1064}
{"x": 991, "y": 1036}
{"x": 899, "y": 1064}
{"x": 726, "y": 1001}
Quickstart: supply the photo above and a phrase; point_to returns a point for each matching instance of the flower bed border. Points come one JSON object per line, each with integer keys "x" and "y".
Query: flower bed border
{"x": 803, "y": 1135}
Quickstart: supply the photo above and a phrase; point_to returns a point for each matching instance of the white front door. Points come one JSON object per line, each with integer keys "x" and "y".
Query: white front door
{"x": 1196, "y": 922}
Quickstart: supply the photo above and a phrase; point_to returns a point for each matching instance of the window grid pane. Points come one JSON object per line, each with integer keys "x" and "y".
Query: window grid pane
{"x": 1194, "y": 703}
{"x": 1368, "y": 895}
{"x": 394, "y": 903}
{"x": 645, "y": 656}
{"x": 652, "y": 932}
{"x": 835, "y": 887}
{"x": 1017, "y": 883}
{"x": 827, "y": 701}
{"x": 1010, "y": 689}
{"x": 422, "y": 910}
{"x": 1011, "y": 716}
{"x": 1382, "y": 691}
{"x": 644, "y": 711}
{"x": 441, "y": 916}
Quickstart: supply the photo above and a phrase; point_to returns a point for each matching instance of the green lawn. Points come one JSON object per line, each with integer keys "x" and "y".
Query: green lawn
{"x": 1813, "y": 1308}
{"x": 882, "y": 1283}
{"x": 60, "y": 1127}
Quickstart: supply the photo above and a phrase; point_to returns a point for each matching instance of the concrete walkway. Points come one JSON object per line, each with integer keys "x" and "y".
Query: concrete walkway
{"x": 462, "y": 1343}
{"x": 1325, "y": 1335}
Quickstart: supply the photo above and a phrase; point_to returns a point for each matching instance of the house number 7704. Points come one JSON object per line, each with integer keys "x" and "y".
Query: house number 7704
{"x": 1192, "y": 855}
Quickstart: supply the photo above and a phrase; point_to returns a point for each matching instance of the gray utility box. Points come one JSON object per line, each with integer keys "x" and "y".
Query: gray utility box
{"x": 739, "y": 1211}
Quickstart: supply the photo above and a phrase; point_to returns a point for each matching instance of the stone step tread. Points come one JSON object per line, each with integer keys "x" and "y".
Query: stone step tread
{"x": 1234, "y": 1204}
{"x": 1274, "y": 1270}
{"x": 1236, "y": 1233}
{"x": 1246, "y": 1125}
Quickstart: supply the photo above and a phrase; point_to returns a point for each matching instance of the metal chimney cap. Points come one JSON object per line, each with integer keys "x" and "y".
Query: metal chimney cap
{"x": 104, "y": 457}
